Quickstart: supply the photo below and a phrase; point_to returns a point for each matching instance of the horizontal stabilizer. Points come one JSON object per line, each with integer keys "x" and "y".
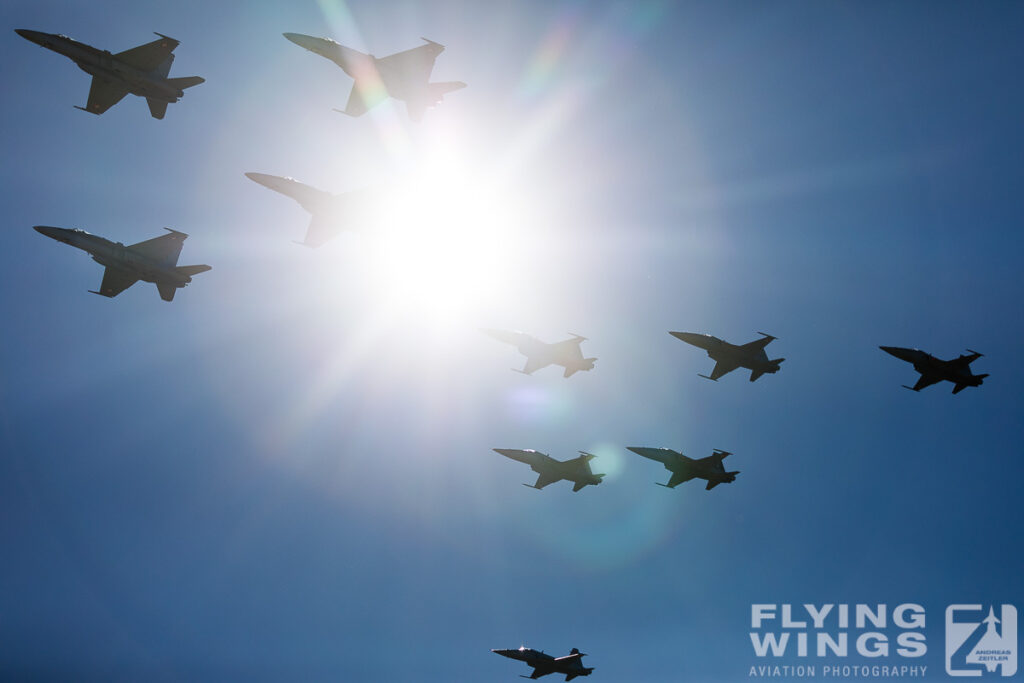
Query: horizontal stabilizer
{"x": 157, "y": 108}
{"x": 193, "y": 270}
{"x": 185, "y": 82}
{"x": 166, "y": 291}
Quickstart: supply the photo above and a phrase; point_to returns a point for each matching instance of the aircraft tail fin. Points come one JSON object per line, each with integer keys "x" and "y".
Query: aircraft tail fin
{"x": 186, "y": 82}
{"x": 193, "y": 270}
{"x": 157, "y": 108}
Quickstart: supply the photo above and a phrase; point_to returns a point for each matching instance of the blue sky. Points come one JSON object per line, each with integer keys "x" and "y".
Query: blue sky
{"x": 286, "y": 473}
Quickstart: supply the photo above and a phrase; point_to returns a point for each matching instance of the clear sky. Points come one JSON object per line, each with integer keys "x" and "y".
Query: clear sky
{"x": 286, "y": 473}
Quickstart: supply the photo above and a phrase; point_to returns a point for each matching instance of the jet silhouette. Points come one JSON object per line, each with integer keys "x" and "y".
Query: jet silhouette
{"x": 154, "y": 260}
{"x": 543, "y": 664}
{"x": 403, "y": 75}
{"x": 140, "y": 71}
{"x": 932, "y": 369}
{"x": 728, "y": 356}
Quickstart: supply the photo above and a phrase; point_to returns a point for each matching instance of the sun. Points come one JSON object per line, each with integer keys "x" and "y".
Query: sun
{"x": 448, "y": 239}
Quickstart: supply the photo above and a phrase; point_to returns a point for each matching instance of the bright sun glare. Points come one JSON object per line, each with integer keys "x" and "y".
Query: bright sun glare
{"x": 448, "y": 239}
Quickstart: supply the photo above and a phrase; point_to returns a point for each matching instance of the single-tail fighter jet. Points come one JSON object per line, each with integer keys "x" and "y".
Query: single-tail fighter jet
{"x": 543, "y": 664}
{"x": 154, "y": 260}
{"x": 932, "y": 369}
{"x": 550, "y": 470}
{"x": 140, "y": 71}
{"x": 728, "y": 356}
{"x": 540, "y": 354}
{"x": 404, "y": 75}
{"x": 685, "y": 469}
{"x": 331, "y": 213}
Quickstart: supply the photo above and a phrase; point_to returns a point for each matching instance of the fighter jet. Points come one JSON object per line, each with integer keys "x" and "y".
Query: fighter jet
{"x": 550, "y": 470}
{"x": 685, "y": 469}
{"x": 404, "y": 75}
{"x": 152, "y": 261}
{"x": 932, "y": 369}
{"x": 728, "y": 356}
{"x": 331, "y": 213}
{"x": 543, "y": 664}
{"x": 140, "y": 71}
{"x": 540, "y": 355}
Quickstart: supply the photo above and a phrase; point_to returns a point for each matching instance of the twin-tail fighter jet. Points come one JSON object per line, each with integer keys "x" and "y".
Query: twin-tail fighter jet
{"x": 153, "y": 261}
{"x": 540, "y": 354}
{"x": 403, "y": 75}
{"x": 685, "y": 469}
{"x": 543, "y": 664}
{"x": 331, "y": 213}
{"x": 728, "y": 356}
{"x": 550, "y": 470}
{"x": 140, "y": 71}
{"x": 932, "y": 369}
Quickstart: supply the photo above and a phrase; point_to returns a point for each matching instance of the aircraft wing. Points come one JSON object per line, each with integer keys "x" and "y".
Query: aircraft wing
{"x": 678, "y": 478}
{"x": 321, "y": 230}
{"x": 925, "y": 381}
{"x": 410, "y": 65}
{"x": 570, "y": 348}
{"x": 164, "y": 249}
{"x": 759, "y": 343}
{"x": 149, "y": 56}
{"x": 545, "y": 478}
{"x": 715, "y": 460}
{"x": 711, "y": 485}
{"x": 532, "y": 365}
{"x": 116, "y": 281}
{"x": 104, "y": 94}
{"x": 539, "y": 671}
{"x": 663, "y": 455}
{"x": 356, "y": 105}
{"x": 723, "y": 367}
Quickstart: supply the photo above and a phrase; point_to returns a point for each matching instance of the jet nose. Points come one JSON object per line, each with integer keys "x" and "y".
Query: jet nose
{"x": 308, "y": 42}
{"x": 35, "y": 36}
{"x": 52, "y": 233}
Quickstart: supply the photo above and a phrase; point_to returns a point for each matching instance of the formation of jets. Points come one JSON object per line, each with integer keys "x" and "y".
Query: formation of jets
{"x": 543, "y": 664}
{"x": 144, "y": 71}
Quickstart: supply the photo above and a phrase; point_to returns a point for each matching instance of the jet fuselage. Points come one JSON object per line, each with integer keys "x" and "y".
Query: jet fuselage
{"x": 117, "y": 255}
{"x": 103, "y": 64}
